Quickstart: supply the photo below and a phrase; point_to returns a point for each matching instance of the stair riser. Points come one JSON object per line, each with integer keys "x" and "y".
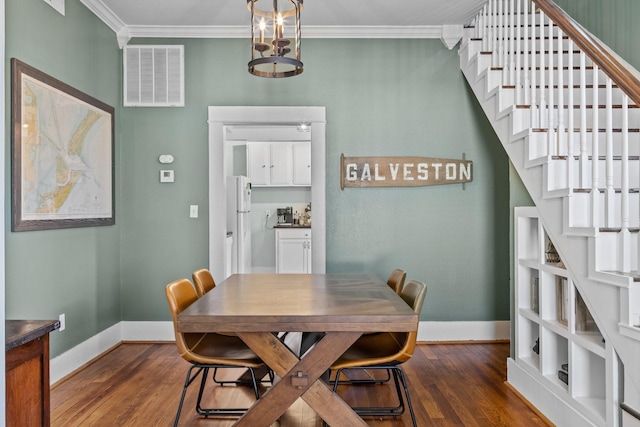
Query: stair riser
{"x": 512, "y": 58}
{"x": 484, "y": 65}
{"x": 539, "y": 139}
{"x": 549, "y": 118}
{"x": 559, "y": 170}
{"x": 579, "y": 208}
{"x": 525, "y": 45}
{"x": 616, "y": 94}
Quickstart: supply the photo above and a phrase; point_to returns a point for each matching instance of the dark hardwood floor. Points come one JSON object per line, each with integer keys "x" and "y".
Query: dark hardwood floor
{"x": 139, "y": 384}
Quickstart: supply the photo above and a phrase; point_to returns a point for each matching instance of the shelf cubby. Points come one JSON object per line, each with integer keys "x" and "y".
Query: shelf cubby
{"x": 589, "y": 387}
{"x": 554, "y": 355}
{"x": 572, "y": 358}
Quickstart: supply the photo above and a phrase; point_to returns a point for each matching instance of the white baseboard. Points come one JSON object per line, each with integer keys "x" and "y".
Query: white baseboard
{"x": 464, "y": 331}
{"x": 83, "y": 353}
{"x": 147, "y": 331}
{"x": 78, "y": 356}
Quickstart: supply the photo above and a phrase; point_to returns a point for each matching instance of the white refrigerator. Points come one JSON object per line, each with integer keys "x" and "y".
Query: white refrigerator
{"x": 238, "y": 211}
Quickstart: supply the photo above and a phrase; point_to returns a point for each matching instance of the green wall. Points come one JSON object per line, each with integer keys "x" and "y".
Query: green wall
{"x": 612, "y": 21}
{"x": 76, "y": 271}
{"x": 382, "y": 97}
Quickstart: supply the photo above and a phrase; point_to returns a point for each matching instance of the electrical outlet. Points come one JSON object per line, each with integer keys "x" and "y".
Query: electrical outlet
{"x": 62, "y": 322}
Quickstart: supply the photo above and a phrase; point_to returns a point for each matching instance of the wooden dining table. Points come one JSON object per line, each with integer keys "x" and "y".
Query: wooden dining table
{"x": 342, "y": 307}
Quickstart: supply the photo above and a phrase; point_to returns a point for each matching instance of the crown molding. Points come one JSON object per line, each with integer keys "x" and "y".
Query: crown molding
{"x": 449, "y": 34}
{"x": 106, "y": 15}
{"x": 309, "y": 31}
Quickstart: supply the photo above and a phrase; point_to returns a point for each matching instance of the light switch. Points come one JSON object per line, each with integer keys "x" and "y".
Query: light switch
{"x": 193, "y": 211}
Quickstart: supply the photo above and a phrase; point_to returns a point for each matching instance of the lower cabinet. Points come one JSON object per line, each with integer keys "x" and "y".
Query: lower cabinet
{"x": 293, "y": 250}
{"x": 27, "y": 372}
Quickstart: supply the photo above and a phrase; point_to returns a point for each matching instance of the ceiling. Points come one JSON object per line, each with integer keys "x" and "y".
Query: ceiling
{"x": 320, "y": 18}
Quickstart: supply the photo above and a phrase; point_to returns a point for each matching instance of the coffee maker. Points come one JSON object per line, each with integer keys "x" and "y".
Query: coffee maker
{"x": 285, "y": 215}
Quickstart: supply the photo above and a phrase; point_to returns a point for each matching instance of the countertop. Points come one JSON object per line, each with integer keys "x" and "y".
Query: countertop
{"x": 18, "y": 332}
{"x": 291, "y": 226}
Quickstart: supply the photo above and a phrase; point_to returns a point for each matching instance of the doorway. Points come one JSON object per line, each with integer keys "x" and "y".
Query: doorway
{"x": 221, "y": 119}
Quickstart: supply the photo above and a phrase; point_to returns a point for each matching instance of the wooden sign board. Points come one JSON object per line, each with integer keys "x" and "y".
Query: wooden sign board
{"x": 403, "y": 171}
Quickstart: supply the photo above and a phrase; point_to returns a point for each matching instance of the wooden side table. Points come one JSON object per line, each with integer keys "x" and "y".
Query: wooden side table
{"x": 27, "y": 371}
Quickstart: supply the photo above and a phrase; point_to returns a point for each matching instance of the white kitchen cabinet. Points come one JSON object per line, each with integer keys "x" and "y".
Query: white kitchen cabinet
{"x": 301, "y": 163}
{"x": 280, "y": 173}
{"x": 279, "y": 164}
{"x": 293, "y": 250}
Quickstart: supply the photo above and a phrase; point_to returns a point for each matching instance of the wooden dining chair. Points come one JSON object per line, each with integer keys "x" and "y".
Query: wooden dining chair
{"x": 207, "y": 351}
{"x": 385, "y": 351}
{"x": 203, "y": 280}
{"x": 396, "y": 280}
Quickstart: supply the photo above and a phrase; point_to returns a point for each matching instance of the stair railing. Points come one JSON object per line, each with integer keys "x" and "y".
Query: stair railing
{"x": 532, "y": 63}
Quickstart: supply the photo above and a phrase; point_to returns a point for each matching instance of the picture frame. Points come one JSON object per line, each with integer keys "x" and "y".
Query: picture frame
{"x": 62, "y": 154}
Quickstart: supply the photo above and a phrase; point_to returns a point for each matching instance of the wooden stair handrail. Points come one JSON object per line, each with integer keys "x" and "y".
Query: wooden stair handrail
{"x": 609, "y": 64}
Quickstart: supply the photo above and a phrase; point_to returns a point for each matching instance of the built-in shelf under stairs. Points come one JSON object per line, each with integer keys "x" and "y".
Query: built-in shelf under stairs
{"x": 571, "y": 128}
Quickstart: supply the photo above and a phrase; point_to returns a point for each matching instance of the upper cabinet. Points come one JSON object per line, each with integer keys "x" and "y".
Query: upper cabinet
{"x": 301, "y": 163}
{"x": 279, "y": 164}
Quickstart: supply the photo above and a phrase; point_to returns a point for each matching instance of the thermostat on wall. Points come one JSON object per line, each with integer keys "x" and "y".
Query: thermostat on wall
{"x": 166, "y": 158}
{"x": 166, "y": 176}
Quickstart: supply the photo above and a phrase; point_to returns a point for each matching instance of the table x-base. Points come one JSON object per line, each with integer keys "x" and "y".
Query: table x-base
{"x": 300, "y": 377}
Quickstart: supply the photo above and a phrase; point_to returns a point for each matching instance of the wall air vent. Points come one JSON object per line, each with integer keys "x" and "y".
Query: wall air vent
{"x": 153, "y": 76}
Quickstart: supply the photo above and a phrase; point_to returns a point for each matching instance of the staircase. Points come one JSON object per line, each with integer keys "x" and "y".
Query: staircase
{"x": 566, "y": 112}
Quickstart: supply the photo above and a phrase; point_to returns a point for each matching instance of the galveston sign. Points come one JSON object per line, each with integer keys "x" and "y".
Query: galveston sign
{"x": 403, "y": 171}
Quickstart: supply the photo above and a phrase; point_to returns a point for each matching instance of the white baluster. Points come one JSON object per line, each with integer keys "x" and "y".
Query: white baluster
{"x": 477, "y": 28}
{"x": 595, "y": 154}
{"x": 526, "y": 43}
{"x": 485, "y": 30}
{"x": 543, "y": 88}
{"x": 492, "y": 32}
{"x": 551, "y": 137}
{"x": 500, "y": 36}
{"x": 534, "y": 115}
{"x": 518, "y": 52}
{"x": 625, "y": 235}
{"x": 609, "y": 191}
{"x": 584, "y": 157}
{"x": 570, "y": 120}
{"x": 561, "y": 144}
{"x": 512, "y": 50}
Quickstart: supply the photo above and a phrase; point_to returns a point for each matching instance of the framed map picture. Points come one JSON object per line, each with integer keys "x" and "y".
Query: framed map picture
{"x": 62, "y": 162}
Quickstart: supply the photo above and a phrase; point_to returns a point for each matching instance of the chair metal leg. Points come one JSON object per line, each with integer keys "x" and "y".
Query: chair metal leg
{"x": 206, "y": 412}
{"x": 406, "y": 392}
{"x": 187, "y": 383}
{"x": 244, "y": 380}
{"x": 365, "y": 381}
{"x": 393, "y": 411}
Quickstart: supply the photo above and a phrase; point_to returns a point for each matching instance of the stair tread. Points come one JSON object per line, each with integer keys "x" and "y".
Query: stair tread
{"x": 602, "y": 190}
{"x": 577, "y": 130}
{"x": 635, "y": 275}
{"x": 563, "y": 157}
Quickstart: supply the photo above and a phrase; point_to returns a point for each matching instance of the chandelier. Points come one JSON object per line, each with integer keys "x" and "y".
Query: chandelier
{"x": 275, "y": 39}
